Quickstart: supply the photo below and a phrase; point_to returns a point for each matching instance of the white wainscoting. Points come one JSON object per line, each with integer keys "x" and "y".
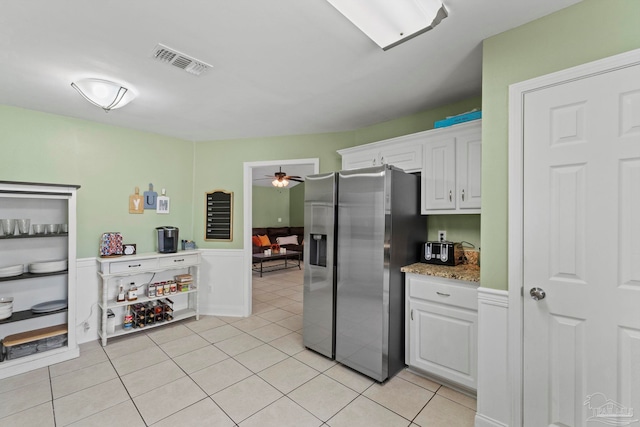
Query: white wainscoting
{"x": 493, "y": 382}
{"x": 222, "y": 287}
{"x": 87, "y": 297}
{"x": 222, "y": 291}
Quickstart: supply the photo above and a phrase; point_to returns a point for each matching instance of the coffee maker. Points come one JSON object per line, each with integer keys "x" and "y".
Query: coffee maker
{"x": 167, "y": 239}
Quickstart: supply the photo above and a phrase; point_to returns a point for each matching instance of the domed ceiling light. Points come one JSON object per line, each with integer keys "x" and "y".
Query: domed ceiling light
{"x": 105, "y": 94}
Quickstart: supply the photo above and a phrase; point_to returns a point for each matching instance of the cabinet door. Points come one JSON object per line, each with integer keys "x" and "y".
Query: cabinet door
{"x": 469, "y": 172}
{"x": 439, "y": 174}
{"x": 443, "y": 341}
{"x": 362, "y": 159}
{"x": 407, "y": 157}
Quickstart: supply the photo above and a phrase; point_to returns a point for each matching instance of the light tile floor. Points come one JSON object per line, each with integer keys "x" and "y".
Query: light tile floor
{"x": 225, "y": 371}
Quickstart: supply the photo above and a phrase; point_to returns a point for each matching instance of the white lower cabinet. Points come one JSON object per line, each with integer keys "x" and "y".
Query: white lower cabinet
{"x": 442, "y": 328}
{"x": 147, "y": 310}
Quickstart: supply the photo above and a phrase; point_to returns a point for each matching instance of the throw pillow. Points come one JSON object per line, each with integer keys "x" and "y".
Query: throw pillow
{"x": 256, "y": 241}
{"x": 264, "y": 240}
{"x": 287, "y": 240}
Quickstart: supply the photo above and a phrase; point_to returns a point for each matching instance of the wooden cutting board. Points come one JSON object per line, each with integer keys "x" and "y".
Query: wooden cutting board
{"x": 150, "y": 198}
{"x": 136, "y": 203}
{"x": 36, "y": 334}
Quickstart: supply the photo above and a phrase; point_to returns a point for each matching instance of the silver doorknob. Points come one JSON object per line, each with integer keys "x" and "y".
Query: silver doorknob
{"x": 537, "y": 293}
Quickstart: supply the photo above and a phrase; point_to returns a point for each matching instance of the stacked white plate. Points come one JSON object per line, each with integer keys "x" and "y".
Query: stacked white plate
{"x": 6, "y": 307}
{"x": 12, "y": 270}
{"x": 49, "y": 306}
{"x": 48, "y": 266}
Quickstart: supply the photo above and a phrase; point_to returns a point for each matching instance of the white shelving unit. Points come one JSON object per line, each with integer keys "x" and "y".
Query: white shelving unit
{"x": 141, "y": 270}
{"x": 42, "y": 204}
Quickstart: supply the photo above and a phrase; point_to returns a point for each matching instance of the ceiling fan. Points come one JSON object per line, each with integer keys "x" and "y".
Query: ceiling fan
{"x": 281, "y": 179}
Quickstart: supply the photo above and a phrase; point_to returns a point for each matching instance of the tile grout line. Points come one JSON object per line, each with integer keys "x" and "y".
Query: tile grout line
{"x": 266, "y": 307}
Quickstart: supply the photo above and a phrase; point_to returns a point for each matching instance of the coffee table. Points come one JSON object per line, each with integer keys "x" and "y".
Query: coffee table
{"x": 261, "y": 258}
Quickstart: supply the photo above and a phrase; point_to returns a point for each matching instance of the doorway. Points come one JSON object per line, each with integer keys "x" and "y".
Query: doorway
{"x": 313, "y": 167}
{"x": 574, "y": 166}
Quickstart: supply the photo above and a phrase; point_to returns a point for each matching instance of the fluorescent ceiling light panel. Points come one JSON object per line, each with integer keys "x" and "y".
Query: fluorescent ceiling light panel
{"x": 391, "y": 22}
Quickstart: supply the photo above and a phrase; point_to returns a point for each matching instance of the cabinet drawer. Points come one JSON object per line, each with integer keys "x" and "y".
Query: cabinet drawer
{"x": 459, "y": 295}
{"x": 179, "y": 260}
{"x": 133, "y": 265}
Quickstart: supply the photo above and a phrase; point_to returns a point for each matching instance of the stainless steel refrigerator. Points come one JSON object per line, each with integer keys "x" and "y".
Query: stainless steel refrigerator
{"x": 361, "y": 226}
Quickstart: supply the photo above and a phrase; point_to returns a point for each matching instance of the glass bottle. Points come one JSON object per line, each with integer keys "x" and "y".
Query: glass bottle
{"x": 128, "y": 319}
{"x": 120, "y": 297}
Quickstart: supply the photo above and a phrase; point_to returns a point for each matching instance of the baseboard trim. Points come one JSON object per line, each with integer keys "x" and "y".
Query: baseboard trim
{"x": 483, "y": 421}
{"x": 493, "y": 386}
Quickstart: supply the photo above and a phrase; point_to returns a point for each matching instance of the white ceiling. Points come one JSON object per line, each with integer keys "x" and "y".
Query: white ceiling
{"x": 280, "y": 67}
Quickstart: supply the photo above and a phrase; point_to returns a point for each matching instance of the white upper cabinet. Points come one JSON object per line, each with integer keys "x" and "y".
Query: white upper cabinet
{"x": 452, "y": 170}
{"x": 404, "y": 152}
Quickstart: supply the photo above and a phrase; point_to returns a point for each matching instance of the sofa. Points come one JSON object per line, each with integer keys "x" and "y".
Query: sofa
{"x": 285, "y": 233}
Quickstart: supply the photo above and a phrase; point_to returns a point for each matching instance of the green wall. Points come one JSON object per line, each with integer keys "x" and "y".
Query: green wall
{"x": 296, "y": 206}
{"x": 588, "y": 31}
{"x": 108, "y": 163}
{"x": 219, "y": 164}
{"x": 269, "y": 204}
{"x": 458, "y": 228}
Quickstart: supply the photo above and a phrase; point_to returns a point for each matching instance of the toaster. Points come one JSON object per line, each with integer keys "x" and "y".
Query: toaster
{"x": 443, "y": 253}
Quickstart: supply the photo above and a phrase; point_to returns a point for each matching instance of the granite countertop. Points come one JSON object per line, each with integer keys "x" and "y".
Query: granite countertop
{"x": 468, "y": 272}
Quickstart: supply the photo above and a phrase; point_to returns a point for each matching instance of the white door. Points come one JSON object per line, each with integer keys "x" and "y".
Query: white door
{"x": 365, "y": 159}
{"x": 469, "y": 170}
{"x": 582, "y": 247}
{"x": 439, "y": 174}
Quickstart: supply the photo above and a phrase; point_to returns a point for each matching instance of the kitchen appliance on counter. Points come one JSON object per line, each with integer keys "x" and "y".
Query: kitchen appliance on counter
{"x": 167, "y": 239}
{"x": 443, "y": 253}
{"x": 361, "y": 227}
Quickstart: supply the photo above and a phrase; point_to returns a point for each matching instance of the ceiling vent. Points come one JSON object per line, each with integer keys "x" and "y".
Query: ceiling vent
{"x": 171, "y": 56}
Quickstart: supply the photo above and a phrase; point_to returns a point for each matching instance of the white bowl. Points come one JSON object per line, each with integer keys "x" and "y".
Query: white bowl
{"x": 48, "y": 266}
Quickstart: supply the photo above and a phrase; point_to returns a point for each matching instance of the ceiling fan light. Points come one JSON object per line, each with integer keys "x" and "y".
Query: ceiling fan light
{"x": 103, "y": 93}
{"x": 280, "y": 183}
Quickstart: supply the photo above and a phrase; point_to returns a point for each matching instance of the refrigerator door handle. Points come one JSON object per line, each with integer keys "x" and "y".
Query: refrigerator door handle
{"x": 412, "y": 314}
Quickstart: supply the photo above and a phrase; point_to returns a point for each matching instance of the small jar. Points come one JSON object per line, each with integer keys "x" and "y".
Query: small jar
{"x": 173, "y": 287}
{"x": 167, "y": 288}
{"x": 151, "y": 290}
{"x": 159, "y": 290}
{"x": 132, "y": 293}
